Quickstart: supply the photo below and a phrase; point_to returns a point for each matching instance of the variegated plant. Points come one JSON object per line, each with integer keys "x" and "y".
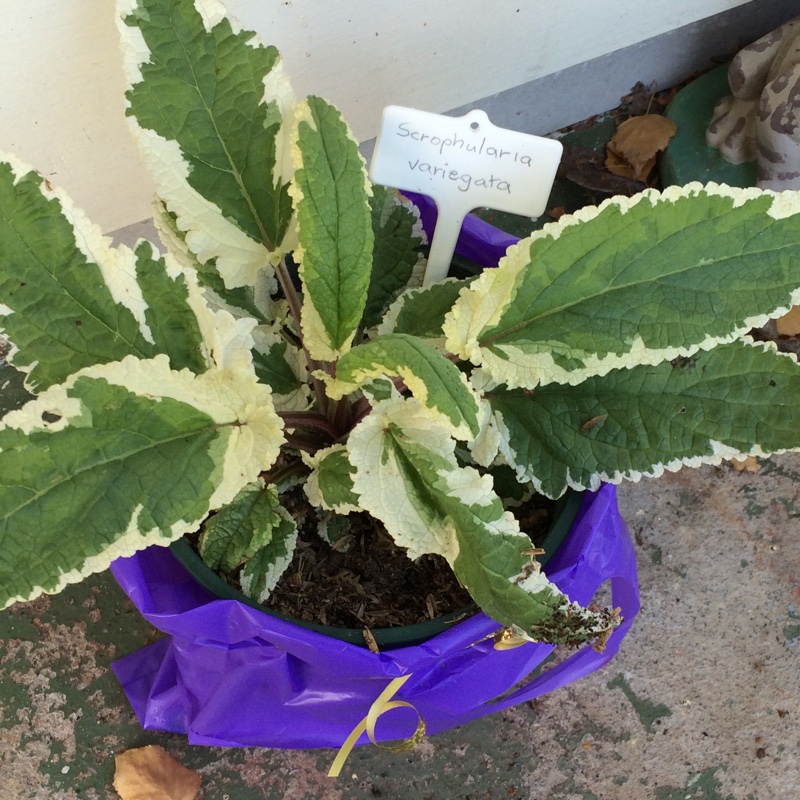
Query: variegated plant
{"x": 284, "y": 338}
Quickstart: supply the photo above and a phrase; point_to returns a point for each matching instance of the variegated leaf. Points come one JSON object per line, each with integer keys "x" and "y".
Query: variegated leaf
{"x": 281, "y": 365}
{"x": 68, "y": 505}
{"x": 254, "y": 301}
{"x": 434, "y": 380}
{"x": 330, "y": 484}
{"x": 398, "y": 233}
{"x": 262, "y": 572}
{"x": 407, "y": 476}
{"x": 170, "y": 313}
{"x": 207, "y": 103}
{"x": 735, "y": 400}
{"x": 637, "y": 280}
{"x": 421, "y": 312}
{"x": 69, "y": 300}
{"x": 331, "y": 197}
{"x": 241, "y": 528}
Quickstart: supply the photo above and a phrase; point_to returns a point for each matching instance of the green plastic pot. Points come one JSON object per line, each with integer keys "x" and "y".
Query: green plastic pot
{"x": 386, "y": 638}
{"x": 687, "y": 157}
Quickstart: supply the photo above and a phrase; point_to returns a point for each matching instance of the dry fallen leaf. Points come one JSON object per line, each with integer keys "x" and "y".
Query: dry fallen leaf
{"x": 746, "y": 464}
{"x": 789, "y": 324}
{"x": 587, "y": 168}
{"x": 632, "y": 149}
{"x": 150, "y": 773}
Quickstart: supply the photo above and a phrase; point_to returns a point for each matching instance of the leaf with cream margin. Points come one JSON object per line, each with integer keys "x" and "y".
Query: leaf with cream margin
{"x": 434, "y": 380}
{"x": 261, "y": 572}
{"x": 253, "y": 301}
{"x": 734, "y": 401}
{"x": 171, "y": 309}
{"x": 407, "y": 476}
{"x": 397, "y": 232}
{"x": 70, "y": 300}
{"x": 330, "y": 484}
{"x": 121, "y": 456}
{"x": 278, "y": 363}
{"x": 421, "y": 312}
{"x": 634, "y": 281}
{"x": 208, "y": 105}
{"x": 282, "y": 366}
{"x": 241, "y": 528}
{"x": 331, "y": 196}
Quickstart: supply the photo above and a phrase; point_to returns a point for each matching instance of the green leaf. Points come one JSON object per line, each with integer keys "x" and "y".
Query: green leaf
{"x": 208, "y": 101}
{"x": 334, "y": 227}
{"x": 422, "y": 312}
{"x": 394, "y": 255}
{"x": 240, "y": 301}
{"x": 637, "y": 280}
{"x": 171, "y": 321}
{"x": 430, "y": 377}
{"x": 241, "y": 528}
{"x": 330, "y": 485}
{"x": 436, "y": 506}
{"x": 333, "y": 527}
{"x": 271, "y": 359}
{"x": 736, "y": 400}
{"x": 68, "y": 504}
{"x": 68, "y": 299}
{"x": 262, "y": 572}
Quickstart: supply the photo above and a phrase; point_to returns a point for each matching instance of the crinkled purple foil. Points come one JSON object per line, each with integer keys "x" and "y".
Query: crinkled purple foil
{"x": 228, "y": 674}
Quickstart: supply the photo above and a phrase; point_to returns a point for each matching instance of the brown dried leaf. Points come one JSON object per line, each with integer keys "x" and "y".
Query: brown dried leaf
{"x": 150, "y": 773}
{"x": 586, "y": 168}
{"x": 369, "y": 639}
{"x": 632, "y": 149}
{"x": 789, "y": 324}
{"x": 617, "y": 165}
{"x": 746, "y": 464}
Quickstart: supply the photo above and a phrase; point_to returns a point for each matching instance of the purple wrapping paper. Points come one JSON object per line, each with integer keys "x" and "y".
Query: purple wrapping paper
{"x": 228, "y": 674}
{"x": 231, "y": 675}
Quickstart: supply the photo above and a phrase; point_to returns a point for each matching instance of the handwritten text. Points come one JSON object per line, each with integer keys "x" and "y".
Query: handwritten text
{"x": 464, "y": 181}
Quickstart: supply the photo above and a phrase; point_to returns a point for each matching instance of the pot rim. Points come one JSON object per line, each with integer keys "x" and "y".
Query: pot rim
{"x": 564, "y": 516}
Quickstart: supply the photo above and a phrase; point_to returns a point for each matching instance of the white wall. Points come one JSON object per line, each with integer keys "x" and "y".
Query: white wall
{"x": 61, "y": 83}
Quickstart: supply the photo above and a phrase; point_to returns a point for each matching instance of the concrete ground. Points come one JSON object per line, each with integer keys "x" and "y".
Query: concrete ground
{"x": 703, "y": 701}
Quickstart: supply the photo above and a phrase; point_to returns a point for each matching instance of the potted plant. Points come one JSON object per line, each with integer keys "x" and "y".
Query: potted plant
{"x": 283, "y": 339}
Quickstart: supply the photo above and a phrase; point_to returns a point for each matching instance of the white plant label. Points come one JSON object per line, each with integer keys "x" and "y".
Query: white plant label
{"x": 462, "y": 163}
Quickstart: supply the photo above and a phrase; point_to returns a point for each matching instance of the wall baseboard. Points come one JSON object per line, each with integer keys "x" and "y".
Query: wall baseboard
{"x": 555, "y": 101}
{"x": 565, "y": 97}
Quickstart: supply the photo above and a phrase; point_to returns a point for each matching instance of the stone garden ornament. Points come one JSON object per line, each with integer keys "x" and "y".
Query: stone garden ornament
{"x": 760, "y": 120}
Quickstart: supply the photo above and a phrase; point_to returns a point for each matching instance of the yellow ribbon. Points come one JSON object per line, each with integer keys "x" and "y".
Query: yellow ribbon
{"x": 383, "y": 704}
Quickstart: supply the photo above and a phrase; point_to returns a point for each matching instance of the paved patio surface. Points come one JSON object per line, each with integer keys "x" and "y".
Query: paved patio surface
{"x": 702, "y": 702}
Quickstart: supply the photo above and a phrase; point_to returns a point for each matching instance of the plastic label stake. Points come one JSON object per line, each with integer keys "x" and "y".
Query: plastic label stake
{"x": 462, "y": 163}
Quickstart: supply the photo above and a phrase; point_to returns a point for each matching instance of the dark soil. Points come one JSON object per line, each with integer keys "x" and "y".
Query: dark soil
{"x": 365, "y": 580}
{"x": 373, "y": 584}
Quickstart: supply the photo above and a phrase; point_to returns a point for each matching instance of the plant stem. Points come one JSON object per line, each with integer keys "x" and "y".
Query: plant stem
{"x": 308, "y": 443}
{"x": 308, "y": 419}
{"x": 283, "y": 472}
{"x": 295, "y": 309}
{"x": 359, "y": 410}
{"x": 340, "y": 418}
